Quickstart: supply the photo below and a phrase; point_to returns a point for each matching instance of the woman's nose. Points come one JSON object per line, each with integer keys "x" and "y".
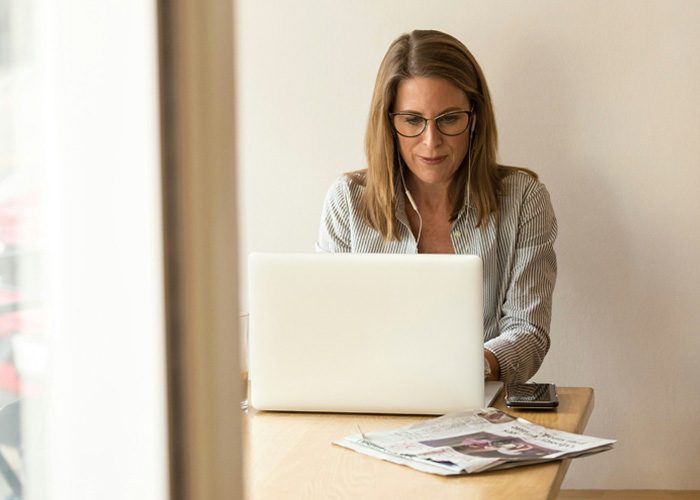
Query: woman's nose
{"x": 432, "y": 137}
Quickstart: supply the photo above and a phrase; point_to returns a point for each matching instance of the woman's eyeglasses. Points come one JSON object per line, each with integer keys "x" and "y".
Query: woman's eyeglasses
{"x": 412, "y": 125}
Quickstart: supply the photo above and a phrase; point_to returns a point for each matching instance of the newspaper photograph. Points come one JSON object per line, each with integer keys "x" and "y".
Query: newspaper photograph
{"x": 473, "y": 441}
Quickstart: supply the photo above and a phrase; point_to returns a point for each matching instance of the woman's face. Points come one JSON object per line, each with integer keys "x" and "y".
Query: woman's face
{"x": 432, "y": 157}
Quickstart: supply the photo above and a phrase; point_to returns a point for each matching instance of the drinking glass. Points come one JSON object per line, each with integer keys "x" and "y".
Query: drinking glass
{"x": 243, "y": 348}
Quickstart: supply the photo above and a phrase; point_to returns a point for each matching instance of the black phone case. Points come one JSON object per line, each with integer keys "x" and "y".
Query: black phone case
{"x": 532, "y": 396}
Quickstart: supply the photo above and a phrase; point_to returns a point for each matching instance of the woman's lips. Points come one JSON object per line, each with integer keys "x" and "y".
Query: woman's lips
{"x": 432, "y": 160}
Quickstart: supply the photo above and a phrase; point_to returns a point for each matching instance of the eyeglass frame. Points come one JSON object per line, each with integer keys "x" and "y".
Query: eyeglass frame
{"x": 469, "y": 113}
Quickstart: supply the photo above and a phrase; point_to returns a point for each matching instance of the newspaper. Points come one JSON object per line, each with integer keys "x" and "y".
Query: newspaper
{"x": 473, "y": 441}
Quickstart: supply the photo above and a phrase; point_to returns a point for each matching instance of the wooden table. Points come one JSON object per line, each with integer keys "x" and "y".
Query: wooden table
{"x": 290, "y": 456}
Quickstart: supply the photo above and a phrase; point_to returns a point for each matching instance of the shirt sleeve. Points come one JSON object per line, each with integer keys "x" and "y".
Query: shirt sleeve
{"x": 526, "y": 312}
{"x": 334, "y": 234}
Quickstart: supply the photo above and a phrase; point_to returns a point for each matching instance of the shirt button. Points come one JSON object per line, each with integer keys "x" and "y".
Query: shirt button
{"x": 457, "y": 234}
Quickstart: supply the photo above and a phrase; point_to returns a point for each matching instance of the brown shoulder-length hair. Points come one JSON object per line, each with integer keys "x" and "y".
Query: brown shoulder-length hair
{"x": 431, "y": 54}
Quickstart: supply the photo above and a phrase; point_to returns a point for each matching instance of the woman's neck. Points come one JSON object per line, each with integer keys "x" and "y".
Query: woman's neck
{"x": 430, "y": 197}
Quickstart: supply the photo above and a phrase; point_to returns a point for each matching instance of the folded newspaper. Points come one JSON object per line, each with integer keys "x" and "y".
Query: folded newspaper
{"x": 473, "y": 441}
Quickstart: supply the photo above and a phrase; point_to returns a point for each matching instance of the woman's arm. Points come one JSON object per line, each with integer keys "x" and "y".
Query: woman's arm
{"x": 334, "y": 235}
{"x": 523, "y": 338}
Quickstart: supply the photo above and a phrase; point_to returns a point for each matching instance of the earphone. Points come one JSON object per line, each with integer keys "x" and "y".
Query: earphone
{"x": 469, "y": 162}
{"x": 410, "y": 198}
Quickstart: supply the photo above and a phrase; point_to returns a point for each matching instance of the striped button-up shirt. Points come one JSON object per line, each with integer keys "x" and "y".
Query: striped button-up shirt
{"x": 516, "y": 248}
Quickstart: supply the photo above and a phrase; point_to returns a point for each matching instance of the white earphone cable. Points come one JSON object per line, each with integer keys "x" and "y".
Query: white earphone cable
{"x": 469, "y": 171}
{"x": 410, "y": 200}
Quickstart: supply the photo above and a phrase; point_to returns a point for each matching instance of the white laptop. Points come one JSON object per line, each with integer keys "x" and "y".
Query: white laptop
{"x": 367, "y": 333}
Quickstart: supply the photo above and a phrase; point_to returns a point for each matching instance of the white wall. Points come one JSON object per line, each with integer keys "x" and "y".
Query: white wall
{"x": 602, "y": 99}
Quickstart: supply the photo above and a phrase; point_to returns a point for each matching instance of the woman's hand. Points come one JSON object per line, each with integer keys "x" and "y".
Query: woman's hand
{"x": 493, "y": 363}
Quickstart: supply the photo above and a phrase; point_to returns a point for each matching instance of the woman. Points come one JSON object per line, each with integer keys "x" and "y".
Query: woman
{"x": 432, "y": 185}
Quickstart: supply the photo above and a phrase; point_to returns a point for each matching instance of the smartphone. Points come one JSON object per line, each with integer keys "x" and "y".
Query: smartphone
{"x": 532, "y": 396}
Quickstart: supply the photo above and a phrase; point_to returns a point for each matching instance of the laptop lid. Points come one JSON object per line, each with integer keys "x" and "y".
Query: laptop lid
{"x": 369, "y": 333}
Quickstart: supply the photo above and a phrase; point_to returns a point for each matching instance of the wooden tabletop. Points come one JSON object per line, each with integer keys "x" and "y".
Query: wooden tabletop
{"x": 290, "y": 456}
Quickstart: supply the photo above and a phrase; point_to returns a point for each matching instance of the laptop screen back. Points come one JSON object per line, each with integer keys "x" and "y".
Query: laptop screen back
{"x": 370, "y": 333}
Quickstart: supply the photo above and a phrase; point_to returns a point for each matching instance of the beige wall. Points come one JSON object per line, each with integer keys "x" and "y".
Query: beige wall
{"x": 602, "y": 100}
